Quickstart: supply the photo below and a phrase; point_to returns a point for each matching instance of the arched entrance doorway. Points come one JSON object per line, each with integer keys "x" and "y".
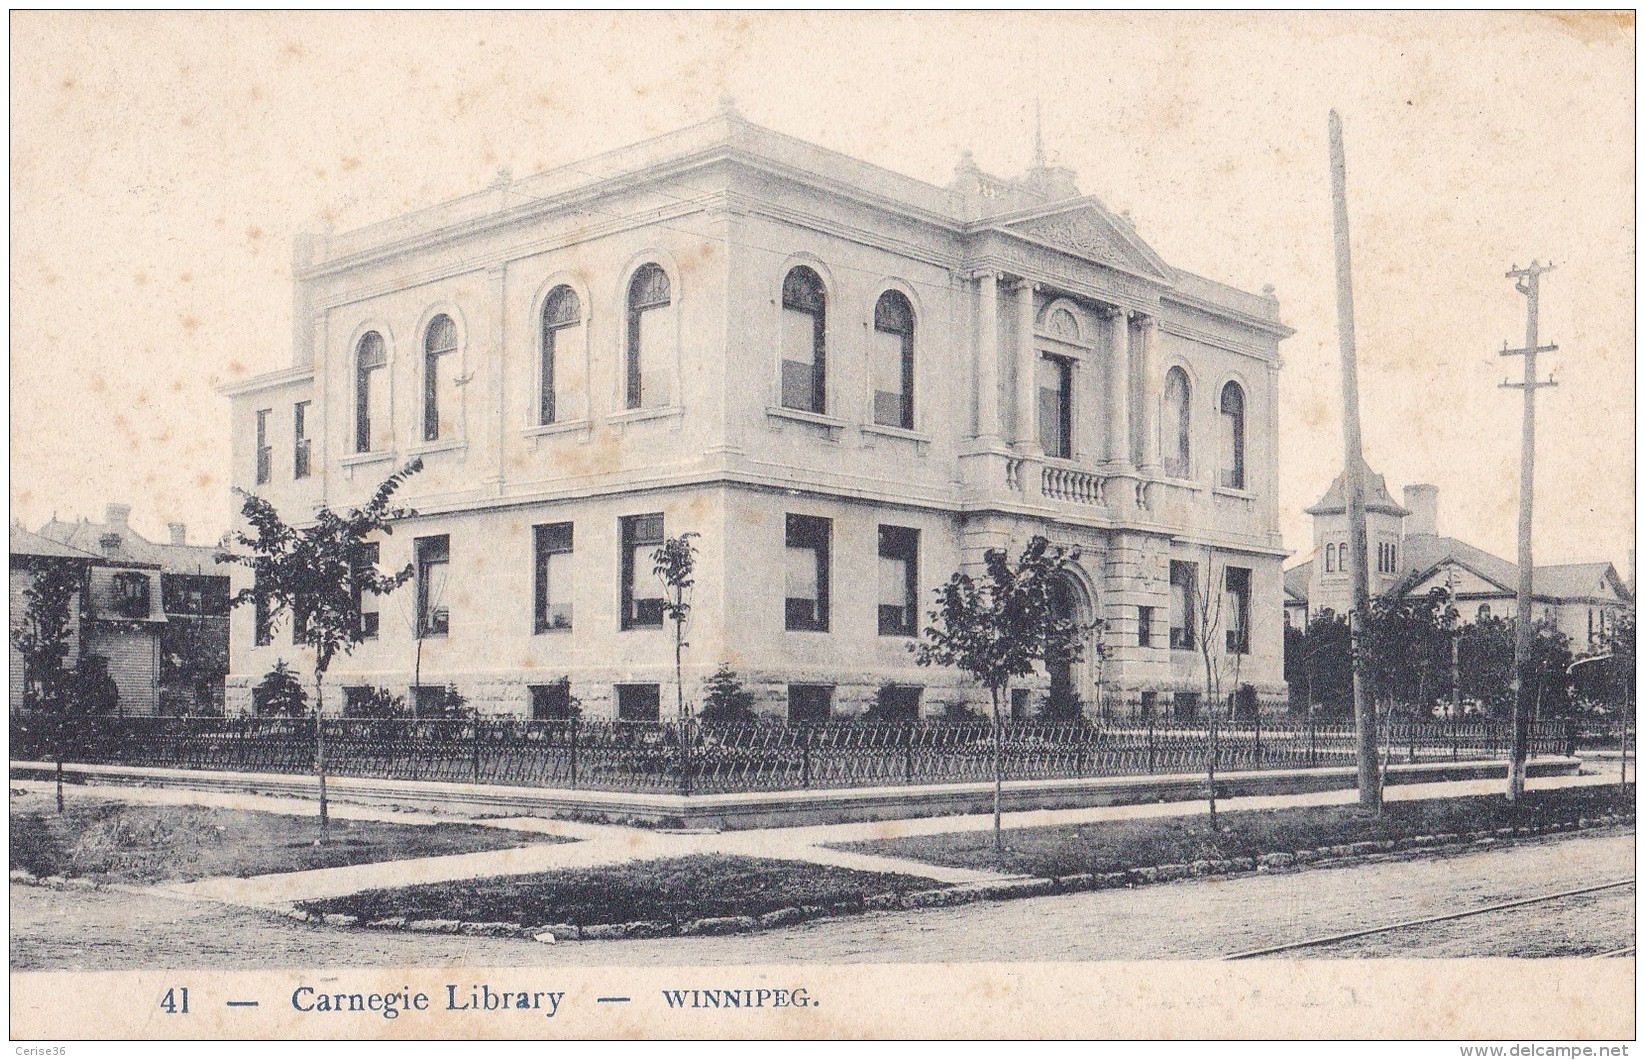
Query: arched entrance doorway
{"x": 1064, "y": 699}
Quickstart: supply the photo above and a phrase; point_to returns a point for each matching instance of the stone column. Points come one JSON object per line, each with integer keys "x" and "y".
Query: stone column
{"x": 988, "y": 358}
{"x": 498, "y": 412}
{"x": 1026, "y": 437}
{"x": 1119, "y": 391}
{"x": 1148, "y": 370}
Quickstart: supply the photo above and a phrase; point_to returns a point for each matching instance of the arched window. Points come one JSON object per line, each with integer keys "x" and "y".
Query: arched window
{"x": 894, "y": 361}
{"x": 648, "y": 373}
{"x": 370, "y": 392}
{"x": 1174, "y": 423}
{"x": 1233, "y": 437}
{"x": 562, "y": 375}
{"x": 804, "y": 353}
{"x": 1063, "y": 324}
{"x": 1483, "y": 613}
{"x": 1330, "y": 559}
{"x": 439, "y": 379}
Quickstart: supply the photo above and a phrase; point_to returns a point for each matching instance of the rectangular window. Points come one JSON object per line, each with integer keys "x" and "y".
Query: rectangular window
{"x": 265, "y": 451}
{"x": 810, "y": 704}
{"x": 806, "y": 567}
{"x": 430, "y": 701}
{"x": 1183, "y": 578}
{"x": 1145, "y": 627}
{"x": 899, "y": 703}
{"x": 1148, "y": 707}
{"x": 802, "y": 361}
{"x": 552, "y": 702}
{"x": 1022, "y": 704}
{"x": 1056, "y": 406}
{"x": 1185, "y": 705}
{"x": 433, "y": 571}
{"x": 302, "y": 609}
{"x": 893, "y": 378}
{"x": 650, "y": 375}
{"x": 1237, "y": 609}
{"x": 639, "y": 703}
{"x": 642, "y": 592}
{"x": 899, "y": 581}
{"x": 358, "y": 701}
{"x": 368, "y": 604}
{"x": 300, "y": 443}
{"x": 552, "y": 542}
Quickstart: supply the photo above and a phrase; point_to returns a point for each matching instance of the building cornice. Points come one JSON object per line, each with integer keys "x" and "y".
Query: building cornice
{"x": 268, "y": 381}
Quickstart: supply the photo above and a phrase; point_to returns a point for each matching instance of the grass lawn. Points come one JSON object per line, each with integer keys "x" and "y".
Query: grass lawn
{"x": 113, "y": 841}
{"x": 673, "y": 890}
{"x": 1114, "y": 846}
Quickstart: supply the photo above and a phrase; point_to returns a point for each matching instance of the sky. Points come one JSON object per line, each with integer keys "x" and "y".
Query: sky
{"x": 163, "y": 163}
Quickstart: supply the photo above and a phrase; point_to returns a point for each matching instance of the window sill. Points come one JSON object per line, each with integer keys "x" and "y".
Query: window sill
{"x": 548, "y": 430}
{"x": 448, "y": 445}
{"x": 871, "y": 431}
{"x": 1229, "y": 491}
{"x": 361, "y": 459}
{"x": 550, "y": 630}
{"x": 660, "y": 412}
{"x": 814, "y": 419}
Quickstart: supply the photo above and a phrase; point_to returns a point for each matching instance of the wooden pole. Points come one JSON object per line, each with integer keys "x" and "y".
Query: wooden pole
{"x": 1528, "y": 283}
{"x": 1353, "y": 486}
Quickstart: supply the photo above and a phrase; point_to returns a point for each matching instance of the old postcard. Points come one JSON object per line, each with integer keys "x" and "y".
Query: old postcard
{"x": 822, "y": 525}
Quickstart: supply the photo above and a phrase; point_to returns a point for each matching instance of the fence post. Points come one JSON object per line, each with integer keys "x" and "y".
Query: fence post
{"x": 1411, "y": 742}
{"x": 908, "y": 752}
{"x": 1259, "y": 736}
{"x": 805, "y": 756}
{"x": 1313, "y": 747}
{"x": 475, "y": 747}
{"x": 1150, "y": 742}
{"x": 574, "y": 750}
{"x": 1455, "y": 720}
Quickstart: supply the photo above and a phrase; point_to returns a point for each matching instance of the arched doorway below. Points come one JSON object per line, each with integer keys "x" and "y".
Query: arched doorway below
{"x": 1064, "y": 700}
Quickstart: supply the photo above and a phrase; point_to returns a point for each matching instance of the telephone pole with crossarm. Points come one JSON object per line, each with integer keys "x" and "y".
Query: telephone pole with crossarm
{"x": 1528, "y": 282}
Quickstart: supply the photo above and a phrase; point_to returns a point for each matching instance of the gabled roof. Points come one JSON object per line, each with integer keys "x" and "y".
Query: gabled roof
{"x": 25, "y": 543}
{"x": 86, "y": 536}
{"x": 1579, "y": 581}
{"x": 1377, "y": 498}
{"x": 1297, "y": 579}
{"x": 1084, "y": 227}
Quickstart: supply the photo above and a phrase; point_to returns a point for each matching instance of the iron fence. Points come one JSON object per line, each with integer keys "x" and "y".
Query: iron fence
{"x": 758, "y": 756}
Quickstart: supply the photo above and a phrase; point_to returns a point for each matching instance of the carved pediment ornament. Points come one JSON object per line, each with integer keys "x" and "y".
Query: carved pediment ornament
{"x": 1083, "y": 234}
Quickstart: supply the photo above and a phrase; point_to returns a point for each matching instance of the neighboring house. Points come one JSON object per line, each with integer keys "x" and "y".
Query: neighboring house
{"x": 1410, "y": 557}
{"x": 190, "y": 599}
{"x": 116, "y": 616}
{"x": 851, "y": 383}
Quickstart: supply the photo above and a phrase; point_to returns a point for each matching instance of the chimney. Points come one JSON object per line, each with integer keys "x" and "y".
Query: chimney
{"x": 116, "y": 515}
{"x": 1423, "y": 501}
{"x": 179, "y": 533}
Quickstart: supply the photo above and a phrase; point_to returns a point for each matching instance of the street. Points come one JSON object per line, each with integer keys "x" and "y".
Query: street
{"x": 1193, "y": 919}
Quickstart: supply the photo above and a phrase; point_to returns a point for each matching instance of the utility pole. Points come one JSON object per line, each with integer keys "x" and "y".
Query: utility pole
{"x": 1528, "y": 282}
{"x": 1353, "y": 488}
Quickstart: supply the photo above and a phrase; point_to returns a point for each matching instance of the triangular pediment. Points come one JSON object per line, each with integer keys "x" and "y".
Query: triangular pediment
{"x": 1087, "y": 230}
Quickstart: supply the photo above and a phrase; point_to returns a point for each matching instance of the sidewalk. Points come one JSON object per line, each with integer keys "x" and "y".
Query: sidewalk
{"x": 601, "y": 845}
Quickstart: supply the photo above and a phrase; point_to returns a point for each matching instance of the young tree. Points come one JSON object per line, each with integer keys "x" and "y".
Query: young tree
{"x": 725, "y": 699}
{"x": 93, "y": 686}
{"x": 997, "y": 628}
{"x": 43, "y": 638}
{"x": 280, "y": 694}
{"x": 1205, "y": 613}
{"x": 315, "y": 570}
{"x": 675, "y": 561}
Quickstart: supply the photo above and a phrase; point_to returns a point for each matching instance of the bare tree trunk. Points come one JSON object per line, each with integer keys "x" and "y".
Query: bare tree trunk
{"x": 999, "y": 842}
{"x": 60, "y": 775}
{"x": 320, "y": 747}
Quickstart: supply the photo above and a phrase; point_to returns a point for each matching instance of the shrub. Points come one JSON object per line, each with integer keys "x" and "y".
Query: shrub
{"x": 725, "y": 699}
{"x": 280, "y": 694}
{"x": 892, "y": 703}
{"x": 371, "y": 702}
{"x": 94, "y": 686}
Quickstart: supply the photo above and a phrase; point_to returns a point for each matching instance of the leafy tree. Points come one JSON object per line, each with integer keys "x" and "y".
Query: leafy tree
{"x": 314, "y": 569}
{"x": 725, "y": 699}
{"x": 94, "y": 686}
{"x": 280, "y": 694}
{"x": 43, "y": 638}
{"x": 675, "y": 561}
{"x": 1407, "y": 640}
{"x": 996, "y": 629}
{"x": 1319, "y": 664}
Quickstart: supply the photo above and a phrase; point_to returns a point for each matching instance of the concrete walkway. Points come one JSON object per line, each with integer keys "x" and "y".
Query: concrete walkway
{"x": 599, "y": 845}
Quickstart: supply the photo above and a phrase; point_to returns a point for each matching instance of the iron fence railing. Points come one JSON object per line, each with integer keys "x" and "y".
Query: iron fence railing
{"x": 758, "y": 756}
